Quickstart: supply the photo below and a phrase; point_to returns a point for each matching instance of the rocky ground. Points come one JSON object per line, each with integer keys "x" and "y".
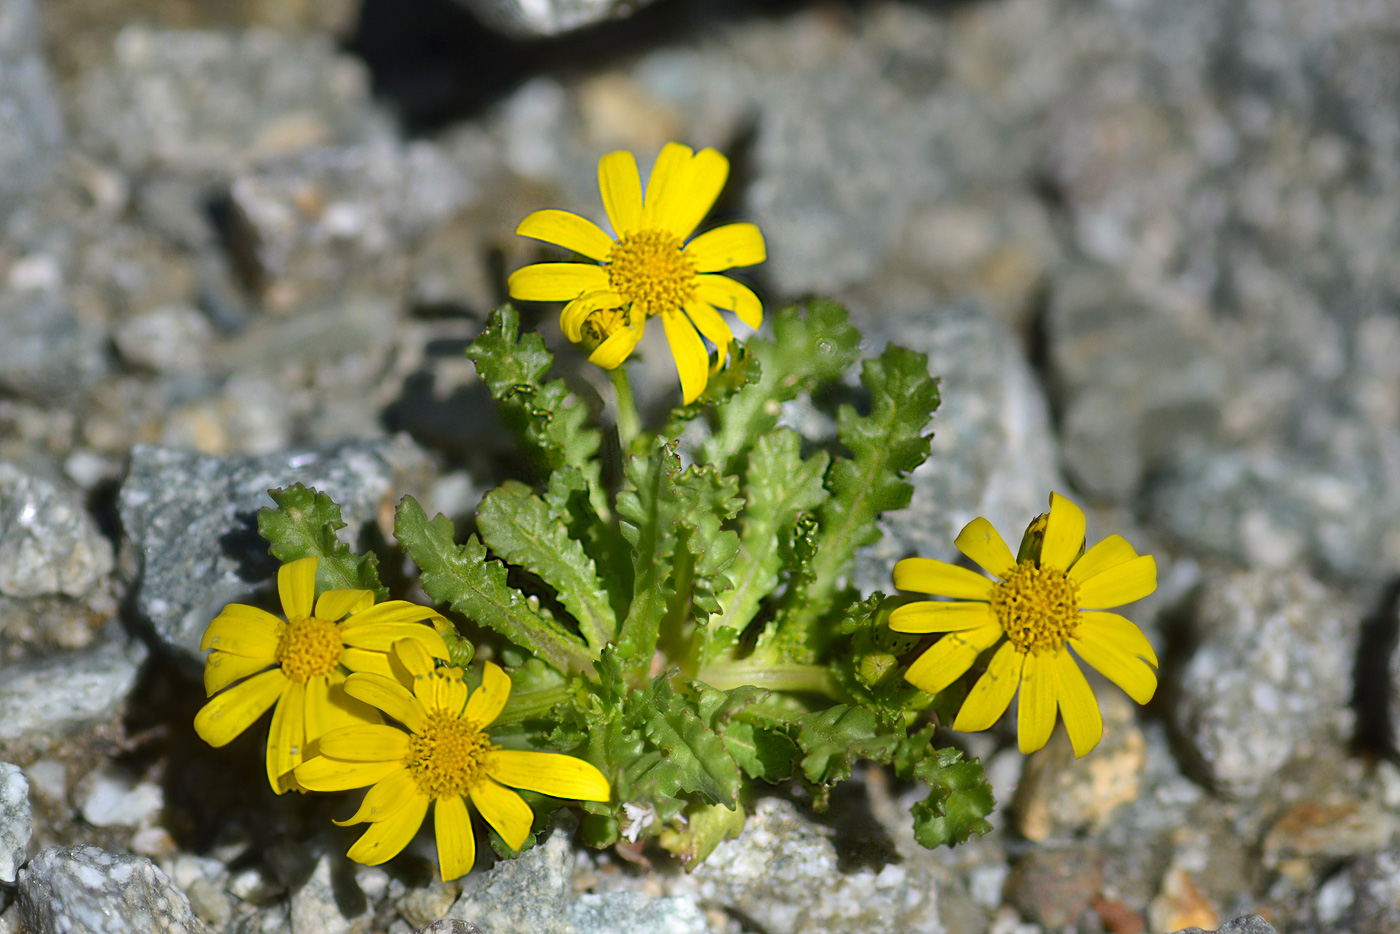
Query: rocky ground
{"x": 1151, "y": 248}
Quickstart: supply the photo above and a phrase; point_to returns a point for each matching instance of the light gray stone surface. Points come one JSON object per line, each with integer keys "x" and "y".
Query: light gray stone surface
{"x": 993, "y": 453}
{"x": 194, "y": 520}
{"x": 1247, "y": 924}
{"x": 316, "y": 910}
{"x": 1271, "y": 677}
{"x": 47, "y": 351}
{"x": 549, "y": 17}
{"x": 31, "y": 124}
{"x": 88, "y": 890}
{"x": 51, "y": 696}
{"x": 635, "y": 913}
{"x": 16, "y": 821}
{"x": 48, "y": 542}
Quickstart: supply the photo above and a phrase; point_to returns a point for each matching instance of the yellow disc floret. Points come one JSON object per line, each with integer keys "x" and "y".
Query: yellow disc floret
{"x": 651, "y": 268}
{"x": 1037, "y": 607}
{"x": 448, "y": 757}
{"x": 309, "y": 647}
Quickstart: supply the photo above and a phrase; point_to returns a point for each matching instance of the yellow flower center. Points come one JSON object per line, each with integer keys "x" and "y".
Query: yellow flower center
{"x": 651, "y": 269}
{"x": 1037, "y": 607}
{"x": 309, "y": 647}
{"x": 448, "y": 757}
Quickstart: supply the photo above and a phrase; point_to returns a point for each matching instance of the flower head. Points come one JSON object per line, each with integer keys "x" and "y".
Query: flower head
{"x": 649, "y": 268}
{"x": 300, "y": 664}
{"x": 444, "y": 757}
{"x": 1045, "y": 603}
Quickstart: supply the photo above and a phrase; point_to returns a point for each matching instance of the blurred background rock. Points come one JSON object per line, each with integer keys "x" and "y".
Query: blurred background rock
{"x": 1153, "y": 248}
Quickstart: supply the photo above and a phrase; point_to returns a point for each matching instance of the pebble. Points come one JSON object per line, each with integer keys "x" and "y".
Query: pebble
{"x": 52, "y": 696}
{"x": 168, "y": 339}
{"x": 33, "y": 136}
{"x": 111, "y": 797}
{"x": 316, "y": 909}
{"x": 65, "y": 890}
{"x": 530, "y": 18}
{"x": 1054, "y": 886}
{"x": 16, "y": 821}
{"x": 48, "y": 543}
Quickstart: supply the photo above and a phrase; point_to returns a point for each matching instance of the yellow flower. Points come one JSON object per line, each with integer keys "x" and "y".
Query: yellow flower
{"x": 301, "y": 664}
{"x": 1048, "y": 603}
{"x": 444, "y": 758}
{"x": 648, "y": 269}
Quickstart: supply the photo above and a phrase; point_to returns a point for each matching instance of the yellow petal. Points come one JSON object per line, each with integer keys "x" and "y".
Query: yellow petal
{"x": 1124, "y": 583}
{"x": 1121, "y": 667}
{"x": 1078, "y": 705}
{"x": 415, "y": 659}
{"x": 710, "y": 324}
{"x": 556, "y": 282}
{"x": 244, "y": 630}
{"x": 504, "y": 810}
{"x": 728, "y": 295}
{"x": 222, "y": 669}
{"x": 385, "y": 839}
{"x": 575, "y": 313}
{"x": 568, "y": 230}
{"x": 449, "y": 695}
{"x": 992, "y": 693}
{"x": 333, "y": 604}
{"x": 296, "y": 586}
{"x": 667, "y": 187}
{"x": 1064, "y": 534}
{"x": 367, "y": 660}
{"x": 617, "y": 347}
{"x": 950, "y": 657}
{"x": 983, "y": 544}
{"x": 367, "y": 743}
{"x": 456, "y": 844}
{"x": 393, "y": 611}
{"x": 692, "y": 362}
{"x": 341, "y": 710}
{"x": 927, "y": 575}
{"x": 1109, "y": 553}
{"x": 323, "y": 773}
{"x": 288, "y": 734}
{"x": 933, "y": 616}
{"x": 1119, "y": 631}
{"x": 727, "y": 247}
{"x": 389, "y": 696}
{"x": 233, "y": 711}
{"x": 383, "y": 799}
{"x": 486, "y": 702}
{"x": 1036, "y": 713}
{"x": 621, "y": 188}
{"x": 549, "y": 773}
{"x": 708, "y": 172}
{"x": 382, "y": 636}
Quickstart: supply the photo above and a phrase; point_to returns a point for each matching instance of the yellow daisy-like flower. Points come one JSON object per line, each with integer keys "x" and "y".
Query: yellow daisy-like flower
{"x": 444, "y": 758}
{"x": 1049, "y": 602}
{"x": 649, "y": 269}
{"x": 301, "y": 664}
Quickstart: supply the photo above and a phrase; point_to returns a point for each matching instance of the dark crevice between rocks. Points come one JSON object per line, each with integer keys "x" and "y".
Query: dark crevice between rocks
{"x": 1181, "y": 638}
{"x": 1372, "y": 690}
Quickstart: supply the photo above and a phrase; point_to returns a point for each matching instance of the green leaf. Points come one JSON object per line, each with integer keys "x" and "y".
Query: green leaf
{"x": 743, "y": 368}
{"x": 779, "y": 488}
{"x": 833, "y": 739}
{"x": 809, "y": 347}
{"x": 706, "y": 827}
{"x": 959, "y": 798}
{"x": 762, "y": 753}
{"x": 649, "y": 514}
{"x": 521, "y": 528}
{"x": 303, "y": 525}
{"x": 462, "y": 576}
{"x": 707, "y": 501}
{"x": 551, "y": 421}
{"x": 677, "y": 729}
{"x": 885, "y": 446}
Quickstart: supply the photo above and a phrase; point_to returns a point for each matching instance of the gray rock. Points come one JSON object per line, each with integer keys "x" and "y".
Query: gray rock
{"x": 31, "y": 125}
{"x": 1130, "y": 380}
{"x": 48, "y": 543}
{"x": 993, "y": 453}
{"x": 550, "y": 17}
{"x": 168, "y": 339}
{"x": 1368, "y": 898}
{"x": 51, "y": 696}
{"x": 16, "y": 821}
{"x": 782, "y": 872}
{"x": 194, "y": 520}
{"x": 526, "y": 895}
{"x": 316, "y": 910}
{"x": 1247, "y": 924}
{"x": 87, "y": 890}
{"x": 205, "y": 103}
{"x": 635, "y": 913}
{"x": 47, "y": 351}
{"x": 450, "y": 926}
{"x": 1271, "y": 678}
{"x": 112, "y": 797}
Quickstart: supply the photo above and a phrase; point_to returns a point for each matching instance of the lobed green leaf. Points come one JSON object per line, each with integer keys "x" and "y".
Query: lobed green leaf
{"x": 304, "y": 524}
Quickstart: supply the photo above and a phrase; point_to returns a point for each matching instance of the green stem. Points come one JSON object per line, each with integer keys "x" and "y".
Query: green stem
{"x": 628, "y": 424}
{"x": 803, "y": 678}
{"x": 532, "y": 704}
